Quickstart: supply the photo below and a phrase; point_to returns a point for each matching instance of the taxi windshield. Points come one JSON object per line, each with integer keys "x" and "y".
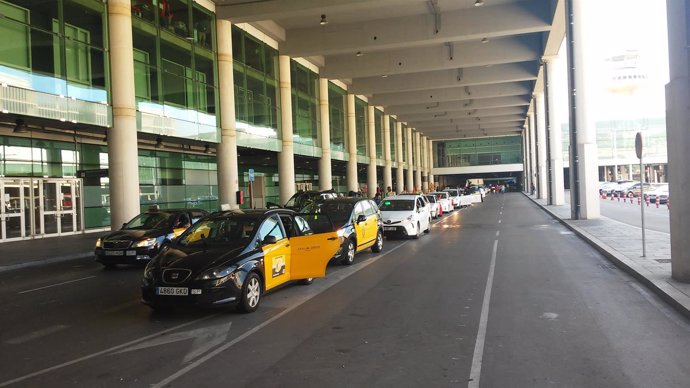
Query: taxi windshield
{"x": 396, "y": 205}
{"x": 219, "y": 231}
{"x": 338, "y": 212}
{"x": 149, "y": 221}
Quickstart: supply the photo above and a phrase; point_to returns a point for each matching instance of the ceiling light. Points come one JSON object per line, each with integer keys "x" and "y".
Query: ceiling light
{"x": 359, "y": 53}
{"x": 20, "y": 127}
{"x": 159, "y": 142}
{"x": 485, "y": 40}
{"x": 207, "y": 149}
{"x": 323, "y": 21}
{"x": 478, "y": 3}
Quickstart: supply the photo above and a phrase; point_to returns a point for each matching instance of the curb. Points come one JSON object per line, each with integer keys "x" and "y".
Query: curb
{"x": 661, "y": 288}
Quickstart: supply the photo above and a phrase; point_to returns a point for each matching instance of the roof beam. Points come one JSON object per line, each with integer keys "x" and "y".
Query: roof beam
{"x": 481, "y": 113}
{"x": 468, "y": 24}
{"x": 514, "y": 72}
{"x": 452, "y": 94}
{"x": 468, "y": 123}
{"x": 463, "y": 135}
{"x": 459, "y": 106}
{"x": 434, "y": 57}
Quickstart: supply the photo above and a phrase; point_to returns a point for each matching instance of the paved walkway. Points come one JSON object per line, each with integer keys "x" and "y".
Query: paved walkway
{"x": 622, "y": 244}
{"x": 29, "y": 253}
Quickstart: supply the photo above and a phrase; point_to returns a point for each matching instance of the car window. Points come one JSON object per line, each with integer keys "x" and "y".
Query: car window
{"x": 302, "y": 226}
{"x": 271, "y": 227}
{"x": 219, "y": 231}
{"x": 359, "y": 210}
{"x": 338, "y": 212}
{"x": 196, "y": 216}
{"x": 150, "y": 221}
{"x": 368, "y": 210}
{"x": 397, "y": 205}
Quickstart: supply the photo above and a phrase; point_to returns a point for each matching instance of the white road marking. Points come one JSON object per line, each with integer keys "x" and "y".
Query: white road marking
{"x": 36, "y": 334}
{"x": 92, "y": 355}
{"x": 498, "y": 233}
{"x": 476, "y": 370}
{"x": 499, "y": 221}
{"x": 56, "y": 285}
{"x": 248, "y": 333}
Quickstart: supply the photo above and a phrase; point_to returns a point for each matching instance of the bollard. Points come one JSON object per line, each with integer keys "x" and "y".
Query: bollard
{"x": 647, "y": 201}
{"x": 639, "y": 200}
{"x": 619, "y": 197}
{"x": 668, "y": 204}
{"x": 657, "y": 202}
{"x": 611, "y": 196}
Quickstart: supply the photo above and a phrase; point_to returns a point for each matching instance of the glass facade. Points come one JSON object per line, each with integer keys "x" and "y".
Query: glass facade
{"x": 481, "y": 151}
{"x": 305, "y": 103}
{"x": 257, "y": 102}
{"x": 378, "y": 123}
{"x": 175, "y": 69}
{"x": 337, "y": 104}
{"x": 361, "y": 125}
{"x": 393, "y": 136}
{"x": 404, "y": 143}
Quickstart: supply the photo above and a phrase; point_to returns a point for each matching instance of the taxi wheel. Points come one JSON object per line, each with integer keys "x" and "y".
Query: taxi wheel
{"x": 306, "y": 282}
{"x": 419, "y": 228}
{"x": 251, "y": 294}
{"x": 349, "y": 257}
{"x": 428, "y": 227}
{"x": 378, "y": 246}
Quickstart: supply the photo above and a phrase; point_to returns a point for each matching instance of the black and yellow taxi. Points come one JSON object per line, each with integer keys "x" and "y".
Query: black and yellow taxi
{"x": 357, "y": 221}
{"x": 234, "y": 257}
{"x": 141, "y": 239}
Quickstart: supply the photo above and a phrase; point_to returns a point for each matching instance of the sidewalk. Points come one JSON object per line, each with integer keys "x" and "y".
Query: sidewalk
{"x": 30, "y": 253}
{"x": 622, "y": 244}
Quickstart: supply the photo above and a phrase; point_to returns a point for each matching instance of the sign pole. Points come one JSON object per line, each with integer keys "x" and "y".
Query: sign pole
{"x": 638, "y": 150}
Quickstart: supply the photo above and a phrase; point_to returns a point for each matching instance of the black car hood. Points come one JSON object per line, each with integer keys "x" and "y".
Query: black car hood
{"x": 198, "y": 259}
{"x": 135, "y": 234}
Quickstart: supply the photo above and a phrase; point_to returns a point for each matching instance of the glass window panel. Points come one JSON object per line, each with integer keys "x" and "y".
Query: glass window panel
{"x": 253, "y": 51}
{"x": 144, "y": 9}
{"x": 203, "y": 28}
{"x": 15, "y": 51}
{"x": 177, "y": 20}
{"x": 361, "y": 125}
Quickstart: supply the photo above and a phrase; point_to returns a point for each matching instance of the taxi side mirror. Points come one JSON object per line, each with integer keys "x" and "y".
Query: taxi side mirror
{"x": 361, "y": 218}
{"x": 123, "y": 225}
{"x": 269, "y": 240}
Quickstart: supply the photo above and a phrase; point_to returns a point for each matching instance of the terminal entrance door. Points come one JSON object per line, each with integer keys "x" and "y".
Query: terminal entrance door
{"x": 39, "y": 207}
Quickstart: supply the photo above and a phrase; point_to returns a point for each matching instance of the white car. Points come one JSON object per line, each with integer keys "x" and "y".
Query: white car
{"x": 435, "y": 205}
{"x": 405, "y": 215}
{"x": 454, "y": 197}
{"x": 443, "y": 199}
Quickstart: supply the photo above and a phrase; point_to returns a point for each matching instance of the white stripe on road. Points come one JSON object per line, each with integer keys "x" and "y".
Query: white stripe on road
{"x": 36, "y": 334}
{"x": 498, "y": 232}
{"x": 55, "y": 285}
{"x": 476, "y": 370}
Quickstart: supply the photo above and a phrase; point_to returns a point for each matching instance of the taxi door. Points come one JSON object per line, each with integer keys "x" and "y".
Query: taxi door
{"x": 310, "y": 254}
{"x": 181, "y": 224}
{"x": 360, "y": 227}
{"x": 276, "y": 255}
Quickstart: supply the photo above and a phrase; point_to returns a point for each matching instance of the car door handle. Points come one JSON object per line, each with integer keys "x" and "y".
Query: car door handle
{"x": 332, "y": 238}
{"x": 287, "y": 245}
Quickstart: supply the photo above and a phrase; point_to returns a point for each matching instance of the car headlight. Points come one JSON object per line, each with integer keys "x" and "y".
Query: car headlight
{"x": 145, "y": 243}
{"x": 148, "y": 271}
{"x": 99, "y": 242}
{"x": 216, "y": 273}
{"x": 341, "y": 233}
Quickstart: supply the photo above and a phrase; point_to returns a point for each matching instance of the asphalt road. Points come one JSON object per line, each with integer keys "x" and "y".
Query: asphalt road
{"x": 498, "y": 295}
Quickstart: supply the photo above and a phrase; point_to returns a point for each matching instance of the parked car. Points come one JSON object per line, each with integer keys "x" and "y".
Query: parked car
{"x": 141, "y": 239}
{"x": 660, "y": 194}
{"x": 234, "y": 257}
{"x": 302, "y": 199}
{"x": 435, "y": 205}
{"x": 405, "y": 215}
{"x": 454, "y": 195}
{"x": 357, "y": 221}
{"x": 444, "y": 200}
{"x": 634, "y": 190}
{"x": 621, "y": 188}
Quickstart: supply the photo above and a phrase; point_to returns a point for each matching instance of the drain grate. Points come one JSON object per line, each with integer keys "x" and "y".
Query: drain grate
{"x": 663, "y": 261}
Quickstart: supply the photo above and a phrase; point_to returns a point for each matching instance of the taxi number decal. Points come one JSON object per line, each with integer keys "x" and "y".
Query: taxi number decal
{"x": 309, "y": 248}
{"x": 278, "y": 267}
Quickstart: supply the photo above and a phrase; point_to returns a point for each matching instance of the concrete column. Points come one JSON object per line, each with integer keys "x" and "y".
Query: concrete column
{"x": 418, "y": 161}
{"x": 325, "y": 176}
{"x": 431, "y": 163}
{"x": 123, "y": 159}
{"x": 555, "y": 138}
{"x": 388, "y": 164}
{"x": 409, "y": 186}
{"x": 678, "y": 138}
{"x": 399, "y": 174}
{"x": 286, "y": 158}
{"x": 585, "y": 199}
{"x": 425, "y": 165}
{"x": 525, "y": 157}
{"x": 541, "y": 149}
{"x": 352, "y": 183}
{"x": 532, "y": 151}
{"x": 630, "y": 171}
{"x": 228, "y": 173}
{"x": 372, "y": 180}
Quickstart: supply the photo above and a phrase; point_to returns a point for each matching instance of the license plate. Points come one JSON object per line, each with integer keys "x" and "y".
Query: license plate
{"x": 114, "y": 253}
{"x": 389, "y": 228}
{"x": 175, "y": 291}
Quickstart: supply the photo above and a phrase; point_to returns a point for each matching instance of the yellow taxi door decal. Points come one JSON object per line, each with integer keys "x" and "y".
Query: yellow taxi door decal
{"x": 276, "y": 263}
{"x": 311, "y": 254}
